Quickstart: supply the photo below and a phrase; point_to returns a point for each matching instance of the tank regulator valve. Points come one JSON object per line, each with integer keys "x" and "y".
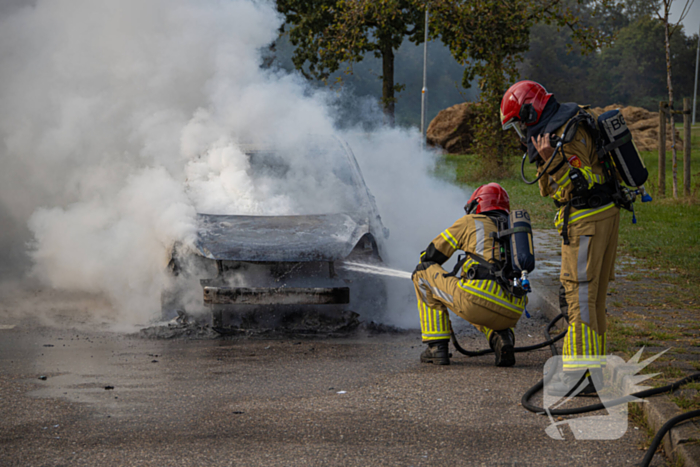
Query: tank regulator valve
{"x": 646, "y": 197}
{"x": 525, "y": 282}
{"x": 629, "y": 195}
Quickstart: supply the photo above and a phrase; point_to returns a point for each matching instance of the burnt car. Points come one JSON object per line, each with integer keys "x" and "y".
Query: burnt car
{"x": 284, "y": 272}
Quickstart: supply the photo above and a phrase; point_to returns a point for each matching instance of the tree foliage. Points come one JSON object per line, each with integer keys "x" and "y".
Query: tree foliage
{"x": 490, "y": 38}
{"x": 631, "y": 71}
{"x": 328, "y": 33}
{"x": 636, "y": 68}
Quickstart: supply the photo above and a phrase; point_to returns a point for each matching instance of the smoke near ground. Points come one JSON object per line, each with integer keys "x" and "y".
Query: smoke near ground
{"x": 121, "y": 120}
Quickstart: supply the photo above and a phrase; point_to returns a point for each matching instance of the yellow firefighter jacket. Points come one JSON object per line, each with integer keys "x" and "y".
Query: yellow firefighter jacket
{"x": 472, "y": 234}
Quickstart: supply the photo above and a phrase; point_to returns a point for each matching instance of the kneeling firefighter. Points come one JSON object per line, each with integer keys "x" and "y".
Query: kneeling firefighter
{"x": 581, "y": 159}
{"x": 488, "y": 294}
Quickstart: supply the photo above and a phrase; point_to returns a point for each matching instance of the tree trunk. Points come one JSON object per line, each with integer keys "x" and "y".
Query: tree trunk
{"x": 687, "y": 134}
{"x": 388, "y": 99}
{"x": 662, "y": 149}
{"x": 669, "y": 84}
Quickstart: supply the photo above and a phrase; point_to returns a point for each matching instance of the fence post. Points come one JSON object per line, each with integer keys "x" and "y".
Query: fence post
{"x": 662, "y": 149}
{"x": 686, "y": 146}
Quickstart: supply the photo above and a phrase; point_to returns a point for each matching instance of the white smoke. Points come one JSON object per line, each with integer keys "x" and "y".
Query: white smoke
{"x": 122, "y": 120}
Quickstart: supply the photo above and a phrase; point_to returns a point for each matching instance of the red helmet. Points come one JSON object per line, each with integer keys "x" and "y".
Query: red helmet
{"x": 522, "y": 105}
{"x": 489, "y": 197}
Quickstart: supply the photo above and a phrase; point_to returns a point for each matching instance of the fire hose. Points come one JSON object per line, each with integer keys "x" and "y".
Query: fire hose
{"x": 550, "y": 341}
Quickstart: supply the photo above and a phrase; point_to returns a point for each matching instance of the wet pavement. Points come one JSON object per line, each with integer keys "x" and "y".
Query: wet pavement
{"x": 115, "y": 399}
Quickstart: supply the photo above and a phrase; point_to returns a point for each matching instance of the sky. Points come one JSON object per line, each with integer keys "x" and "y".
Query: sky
{"x": 692, "y": 20}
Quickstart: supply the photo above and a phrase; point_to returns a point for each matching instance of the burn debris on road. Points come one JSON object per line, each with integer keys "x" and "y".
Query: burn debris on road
{"x": 305, "y": 325}
{"x": 183, "y": 326}
{"x": 379, "y": 328}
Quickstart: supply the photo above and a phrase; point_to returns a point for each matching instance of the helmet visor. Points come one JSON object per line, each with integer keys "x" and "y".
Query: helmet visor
{"x": 518, "y": 126}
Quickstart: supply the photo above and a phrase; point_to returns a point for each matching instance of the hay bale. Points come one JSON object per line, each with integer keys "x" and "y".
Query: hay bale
{"x": 453, "y": 128}
{"x": 644, "y": 126}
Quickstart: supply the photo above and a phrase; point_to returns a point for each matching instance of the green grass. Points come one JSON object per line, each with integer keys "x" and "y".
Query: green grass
{"x": 521, "y": 196}
{"x": 626, "y": 331}
{"x": 687, "y": 403}
{"x": 662, "y": 336}
{"x": 667, "y": 234}
{"x": 672, "y": 373}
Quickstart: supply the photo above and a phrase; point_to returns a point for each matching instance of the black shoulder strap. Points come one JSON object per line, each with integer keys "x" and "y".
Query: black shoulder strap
{"x": 461, "y": 259}
{"x": 482, "y": 262}
{"x": 572, "y": 126}
{"x": 508, "y": 232}
{"x": 592, "y": 126}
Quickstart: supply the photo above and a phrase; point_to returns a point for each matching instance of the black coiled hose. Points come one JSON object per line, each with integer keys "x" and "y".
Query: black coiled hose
{"x": 549, "y": 342}
{"x": 525, "y": 401}
{"x": 591, "y": 408}
{"x": 662, "y": 432}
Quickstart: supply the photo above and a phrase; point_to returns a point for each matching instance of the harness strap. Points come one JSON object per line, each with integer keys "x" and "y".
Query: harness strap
{"x": 461, "y": 259}
{"x": 565, "y": 227}
{"x": 482, "y": 262}
{"x": 616, "y": 144}
{"x": 507, "y": 232}
{"x": 561, "y": 164}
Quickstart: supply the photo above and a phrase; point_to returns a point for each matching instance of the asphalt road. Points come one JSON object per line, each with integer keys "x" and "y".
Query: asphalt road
{"x": 362, "y": 400}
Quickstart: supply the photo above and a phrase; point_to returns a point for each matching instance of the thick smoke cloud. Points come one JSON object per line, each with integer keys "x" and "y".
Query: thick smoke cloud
{"x": 121, "y": 120}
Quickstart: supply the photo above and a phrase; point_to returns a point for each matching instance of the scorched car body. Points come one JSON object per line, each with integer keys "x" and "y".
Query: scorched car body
{"x": 266, "y": 273}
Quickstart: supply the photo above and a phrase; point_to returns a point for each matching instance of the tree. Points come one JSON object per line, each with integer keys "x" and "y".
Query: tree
{"x": 327, "y": 33}
{"x": 561, "y": 69}
{"x": 468, "y": 29}
{"x": 631, "y": 71}
{"x": 669, "y": 29}
{"x": 635, "y": 67}
{"x": 490, "y": 38}
{"x": 556, "y": 60}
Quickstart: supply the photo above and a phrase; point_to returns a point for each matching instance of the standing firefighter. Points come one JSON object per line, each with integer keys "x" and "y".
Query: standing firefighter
{"x": 483, "y": 295}
{"x": 587, "y": 219}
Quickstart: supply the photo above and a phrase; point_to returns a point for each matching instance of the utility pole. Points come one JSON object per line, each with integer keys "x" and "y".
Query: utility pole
{"x": 424, "y": 91}
{"x": 695, "y": 89}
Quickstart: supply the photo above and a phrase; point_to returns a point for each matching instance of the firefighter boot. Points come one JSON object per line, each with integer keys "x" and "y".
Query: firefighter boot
{"x": 576, "y": 384}
{"x": 503, "y": 345}
{"x": 437, "y": 353}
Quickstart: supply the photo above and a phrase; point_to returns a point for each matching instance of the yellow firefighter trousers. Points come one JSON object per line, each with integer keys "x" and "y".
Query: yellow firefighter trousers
{"x": 480, "y": 302}
{"x": 587, "y": 265}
